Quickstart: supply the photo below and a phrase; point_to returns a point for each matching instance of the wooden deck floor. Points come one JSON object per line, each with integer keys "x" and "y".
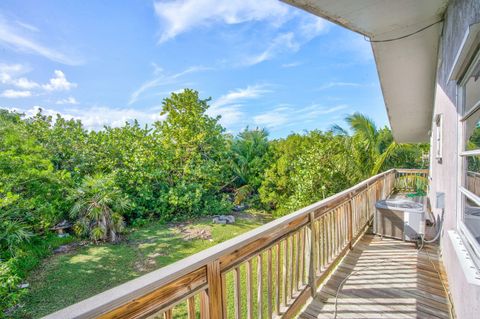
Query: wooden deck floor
{"x": 386, "y": 279}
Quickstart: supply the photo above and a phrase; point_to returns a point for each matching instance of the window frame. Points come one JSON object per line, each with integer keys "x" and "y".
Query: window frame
{"x": 472, "y": 245}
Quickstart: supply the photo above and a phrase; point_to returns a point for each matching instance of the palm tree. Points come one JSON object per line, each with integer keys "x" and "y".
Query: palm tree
{"x": 98, "y": 207}
{"x": 13, "y": 232}
{"x": 370, "y": 148}
{"x": 250, "y": 149}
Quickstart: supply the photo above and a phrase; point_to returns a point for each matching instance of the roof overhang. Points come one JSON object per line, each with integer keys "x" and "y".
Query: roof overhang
{"x": 406, "y": 66}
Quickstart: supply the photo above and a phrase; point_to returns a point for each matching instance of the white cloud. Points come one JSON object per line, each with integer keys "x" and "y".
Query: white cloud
{"x": 24, "y": 83}
{"x": 27, "y": 26}
{"x": 311, "y": 26}
{"x": 303, "y": 31}
{"x": 69, "y": 100}
{"x": 181, "y": 16}
{"x": 9, "y": 76}
{"x": 59, "y": 83}
{"x": 229, "y": 106}
{"x": 235, "y": 96}
{"x": 96, "y": 117}
{"x": 13, "y": 94}
{"x": 271, "y": 119}
{"x": 162, "y": 79}
{"x": 288, "y": 115}
{"x": 15, "y": 38}
{"x": 330, "y": 85}
{"x": 291, "y": 64}
{"x": 283, "y": 42}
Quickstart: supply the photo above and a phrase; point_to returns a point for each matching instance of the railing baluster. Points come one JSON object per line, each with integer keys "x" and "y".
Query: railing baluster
{"x": 224, "y": 294}
{"x": 324, "y": 242}
{"x": 167, "y": 314}
{"x": 260, "y": 286}
{"x": 278, "y": 279}
{"x": 336, "y": 223}
{"x": 311, "y": 253}
{"x": 191, "y": 308}
{"x": 350, "y": 222}
{"x": 269, "y": 284}
{"x": 292, "y": 262}
{"x": 249, "y": 290}
{"x": 329, "y": 239}
{"x": 237, "y": 293}
{"x": 204, "y": 307}
{"x": 297, "y": 260}
{"x": 303, "y": 261}
{"x": 317, "y": 245}
{"x": 285, "y": 273}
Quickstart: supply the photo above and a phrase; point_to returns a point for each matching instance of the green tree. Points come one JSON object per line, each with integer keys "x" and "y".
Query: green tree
{"x": 195, "y": 154}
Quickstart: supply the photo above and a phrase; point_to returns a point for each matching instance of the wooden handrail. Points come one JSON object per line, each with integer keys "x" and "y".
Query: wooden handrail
{"x": 299, "y": 249}
{"x": 412, "y": 170}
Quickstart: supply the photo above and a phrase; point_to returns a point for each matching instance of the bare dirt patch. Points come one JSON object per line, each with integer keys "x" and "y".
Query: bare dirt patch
{"x": 191, "y": 232}
{"x": 69, "y": 247}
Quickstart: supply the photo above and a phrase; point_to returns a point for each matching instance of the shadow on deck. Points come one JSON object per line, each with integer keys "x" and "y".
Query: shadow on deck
{"x": 383, "y": 279}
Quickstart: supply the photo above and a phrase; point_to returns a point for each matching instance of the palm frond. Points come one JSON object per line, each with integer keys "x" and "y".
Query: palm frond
{"x": 381, "y": 159}
{"x": 338, "y": 130}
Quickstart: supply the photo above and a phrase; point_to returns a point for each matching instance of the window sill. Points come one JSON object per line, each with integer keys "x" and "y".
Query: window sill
{"x": 469, "y": 269}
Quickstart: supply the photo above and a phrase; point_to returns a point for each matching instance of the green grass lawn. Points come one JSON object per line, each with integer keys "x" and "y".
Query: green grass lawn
{"x": 67, "y": 278}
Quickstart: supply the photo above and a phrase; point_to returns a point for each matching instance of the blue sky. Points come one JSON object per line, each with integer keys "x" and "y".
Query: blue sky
{"x": 263, "y": 63}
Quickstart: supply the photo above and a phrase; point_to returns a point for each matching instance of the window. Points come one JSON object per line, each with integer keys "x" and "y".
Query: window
{"x": 438, "y": 136}
{"x": 469, "y": 102}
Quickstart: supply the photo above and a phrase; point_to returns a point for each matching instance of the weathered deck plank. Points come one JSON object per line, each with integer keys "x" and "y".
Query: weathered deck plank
{"x": 386, "y": 279}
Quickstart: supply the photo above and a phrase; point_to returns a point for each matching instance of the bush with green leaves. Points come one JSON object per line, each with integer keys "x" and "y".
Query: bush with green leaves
{"x": 308, "y": 168}
{"x": 32, "y": 191}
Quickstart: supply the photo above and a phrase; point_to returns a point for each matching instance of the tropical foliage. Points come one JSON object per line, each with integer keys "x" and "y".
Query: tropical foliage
{"x": 187, "y": 165}
{"x": 98, "y": 209}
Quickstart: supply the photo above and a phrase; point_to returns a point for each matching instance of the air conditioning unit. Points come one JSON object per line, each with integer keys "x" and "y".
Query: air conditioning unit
{"x": 399, "y": 218}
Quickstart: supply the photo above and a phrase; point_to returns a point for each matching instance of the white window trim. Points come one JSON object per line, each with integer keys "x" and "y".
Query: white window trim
{"x": 472, "y": 246}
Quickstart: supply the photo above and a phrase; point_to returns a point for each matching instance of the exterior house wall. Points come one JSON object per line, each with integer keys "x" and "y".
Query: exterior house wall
{"x": 459, "y": 15}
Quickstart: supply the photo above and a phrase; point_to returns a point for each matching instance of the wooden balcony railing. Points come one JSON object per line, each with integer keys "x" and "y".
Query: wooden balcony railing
{"x": 473, "y": 182}
{"x": 409, "y": 180}
{"x": 268, "y": 272}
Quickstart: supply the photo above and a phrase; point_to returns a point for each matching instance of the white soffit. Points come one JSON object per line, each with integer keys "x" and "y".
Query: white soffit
{"x": 406, "y": 67}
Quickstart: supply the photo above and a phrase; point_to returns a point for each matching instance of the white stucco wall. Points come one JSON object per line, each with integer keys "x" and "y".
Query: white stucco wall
{"x": 460, "y": 14}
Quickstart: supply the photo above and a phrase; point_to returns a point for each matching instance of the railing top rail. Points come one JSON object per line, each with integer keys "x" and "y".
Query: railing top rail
{"x": 140, "y": 286}
{"x": 412, "y": 170}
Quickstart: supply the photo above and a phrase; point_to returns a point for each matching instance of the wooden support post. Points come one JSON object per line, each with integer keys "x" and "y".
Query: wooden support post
{"x": 214, "y": 279}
